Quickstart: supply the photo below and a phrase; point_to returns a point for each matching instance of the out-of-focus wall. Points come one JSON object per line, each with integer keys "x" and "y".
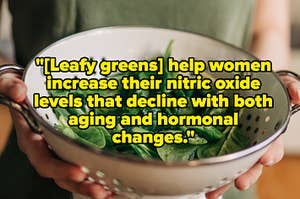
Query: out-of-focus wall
{"x": 6, "y": 46}
{"x": 295, "y": 18}
{"x": 292, "y": 136}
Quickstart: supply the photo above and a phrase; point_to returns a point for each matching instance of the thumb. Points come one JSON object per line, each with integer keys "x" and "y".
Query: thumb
{"x": 294, "y": 91}
{"x": 12, "y": 87}
{"x": 293, "y": 86}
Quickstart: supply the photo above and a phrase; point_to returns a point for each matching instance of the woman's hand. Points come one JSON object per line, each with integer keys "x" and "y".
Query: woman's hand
{"x": 271, "y": 157}
{"x": 67, "y": 176}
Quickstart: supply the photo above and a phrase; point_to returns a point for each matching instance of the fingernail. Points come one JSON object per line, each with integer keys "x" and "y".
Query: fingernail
{"x": 77, "y": 176}
{"x": 298, "y": 85}
{"x": 101, "y": 195}
{"x": 17, "y": 91}
{"x": 246, "y": 187}
{"x": 269, "y": 163}
{"x": 294, "y": 92}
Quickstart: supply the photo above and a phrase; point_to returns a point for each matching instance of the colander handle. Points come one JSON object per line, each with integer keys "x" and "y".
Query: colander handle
{"x": 296, "y": 107}
{"x": 21, "y": 108}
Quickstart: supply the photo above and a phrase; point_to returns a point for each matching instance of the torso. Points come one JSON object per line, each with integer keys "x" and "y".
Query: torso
{"x": 39, "y": 23}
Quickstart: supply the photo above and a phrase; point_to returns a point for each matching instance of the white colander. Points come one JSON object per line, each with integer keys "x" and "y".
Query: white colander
{"x": 129, "y": 176}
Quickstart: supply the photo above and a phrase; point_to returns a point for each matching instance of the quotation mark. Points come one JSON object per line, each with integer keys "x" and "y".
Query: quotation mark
{"x": 39, "y": 61}
{"x": 189, "y": 134}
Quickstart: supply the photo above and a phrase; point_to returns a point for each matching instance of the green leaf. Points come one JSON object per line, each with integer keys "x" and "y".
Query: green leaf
{"x": 143, "y": 151}
{"x": 176, "y": 152}
{"x": 69, "y": 132}
{"x": 210, "y": 133}
{"x": 197, "y": 140}
{"x": 236, "y": 140}
{"x": 218, "y": 111}
{"x": 139, "y": 130}
{"x": 92, "y": 135}
{"x": 210, "y": 149}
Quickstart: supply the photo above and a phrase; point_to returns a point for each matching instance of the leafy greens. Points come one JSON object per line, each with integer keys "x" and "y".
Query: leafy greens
{"x": 209, "y": 141}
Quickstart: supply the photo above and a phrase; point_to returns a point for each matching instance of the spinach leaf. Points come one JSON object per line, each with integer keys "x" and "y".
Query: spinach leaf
{"x": 210, "y": 133}
{"x": 176, "y": 152}
{"x": 236, "y": 140}
{"x": 144, "y": 151}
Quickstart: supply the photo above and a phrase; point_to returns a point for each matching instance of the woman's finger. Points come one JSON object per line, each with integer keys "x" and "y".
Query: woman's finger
{"x": 249, "y": 178}
{"x": 294, "y": 91}
{"x": 86, "y": 188}
{"x": 13, "y": 87}
{"x": 293, "y": 86}
{"x": 47, "y": 165}
{"x": 43, "y": 160}
{"x": 217, "y": 193}
{"x": 274, "y": 154}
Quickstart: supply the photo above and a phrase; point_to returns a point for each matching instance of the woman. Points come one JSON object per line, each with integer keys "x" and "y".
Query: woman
{"x": 36, "y": 24}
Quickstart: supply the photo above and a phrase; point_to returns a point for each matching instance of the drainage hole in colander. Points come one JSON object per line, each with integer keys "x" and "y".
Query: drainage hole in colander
{"x": 248, "y": 117}
{"x": 106, "y": 187}
{"x": 91, "y": 179}
{"x": 100, "y": 174}
{"x": 130, "y": 189}
{"x": 209, "y": 187}
{"x": 240, "y": 126}
{"x": 117, "y": 190}
{"x": 267, "y": 119}
{"x": 225, "y": 179}
{"x": 256, "y": 130}
{"x": 116, "y": 182}
{"x": 277, "y": 125}
{"x": 47, "y": 116}
{"x": 222, "y": 182}
{"x": 102, "y": 182}
{"x": 248, "y": 128}
{"x": 257, "y": 118}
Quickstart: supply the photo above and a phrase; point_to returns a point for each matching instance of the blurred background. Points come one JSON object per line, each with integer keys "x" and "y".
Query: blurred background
{"x": 280, "y": 181}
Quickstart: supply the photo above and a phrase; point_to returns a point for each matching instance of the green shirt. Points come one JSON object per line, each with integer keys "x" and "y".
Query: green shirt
{"x": 36, "y": 24}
